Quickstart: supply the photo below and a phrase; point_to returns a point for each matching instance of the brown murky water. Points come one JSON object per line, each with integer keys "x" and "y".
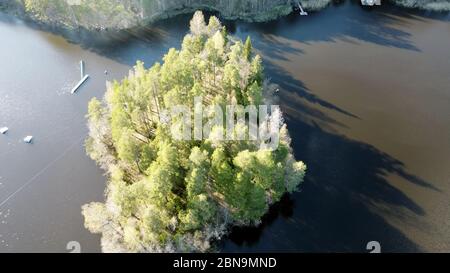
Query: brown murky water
{"x": 367, "y": 101}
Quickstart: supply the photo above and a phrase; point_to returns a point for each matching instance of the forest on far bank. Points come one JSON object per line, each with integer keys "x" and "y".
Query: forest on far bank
{"x": 122, "y": 14}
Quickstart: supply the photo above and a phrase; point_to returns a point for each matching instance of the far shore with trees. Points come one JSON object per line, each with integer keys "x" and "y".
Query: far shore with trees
{"x": 125, "y": 14}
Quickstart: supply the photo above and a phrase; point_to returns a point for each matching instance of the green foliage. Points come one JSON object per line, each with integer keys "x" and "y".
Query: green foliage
{"x": 169, "y": 195}
{"x": 87, "y": 13}
{"x": 125, "y": 14}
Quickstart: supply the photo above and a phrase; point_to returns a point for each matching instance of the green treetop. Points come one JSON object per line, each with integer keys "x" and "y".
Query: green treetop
{"x": 166, "y": 194}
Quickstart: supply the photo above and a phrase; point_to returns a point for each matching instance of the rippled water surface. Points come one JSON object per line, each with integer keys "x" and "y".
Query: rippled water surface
{"x": 367, "y": 100}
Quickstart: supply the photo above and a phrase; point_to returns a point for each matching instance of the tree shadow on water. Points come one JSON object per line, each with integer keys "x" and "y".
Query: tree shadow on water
{"x": 297, "y": 91}
{"x": 385, "y": 26}
{"x": 335, "y": 209}
{"x": 145, "y": 43}
{"x": 338, "y": 208}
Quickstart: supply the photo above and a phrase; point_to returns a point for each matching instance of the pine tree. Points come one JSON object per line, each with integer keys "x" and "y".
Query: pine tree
{"x": 166, "y": 194}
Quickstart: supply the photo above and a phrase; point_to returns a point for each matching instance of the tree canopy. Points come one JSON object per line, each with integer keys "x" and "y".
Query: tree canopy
{"x": 165, "y": 194}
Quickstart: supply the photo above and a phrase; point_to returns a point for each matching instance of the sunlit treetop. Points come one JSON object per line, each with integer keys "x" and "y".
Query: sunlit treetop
{"x": 165, "y": 194}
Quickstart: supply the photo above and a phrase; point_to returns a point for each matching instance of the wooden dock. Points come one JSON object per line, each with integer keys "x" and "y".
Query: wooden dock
{"x": 80, "y": 83}
{"x": 83, "y": 78}
{"x": 302, "y": 12}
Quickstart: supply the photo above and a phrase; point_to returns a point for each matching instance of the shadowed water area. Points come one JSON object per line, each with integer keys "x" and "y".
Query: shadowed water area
{"x": 366, "y": 93}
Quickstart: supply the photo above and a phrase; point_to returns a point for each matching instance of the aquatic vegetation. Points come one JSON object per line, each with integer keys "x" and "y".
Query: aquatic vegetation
{"x": 168, "y": 194}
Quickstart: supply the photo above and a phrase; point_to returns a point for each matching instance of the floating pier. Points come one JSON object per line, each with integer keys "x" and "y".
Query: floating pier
{"x": 83, "y": 78}
{"x": 82, "y": 69}
{"x": 302, "y": 12}
{"x": 75, "y": 89}
{"x": 3, "y": 130}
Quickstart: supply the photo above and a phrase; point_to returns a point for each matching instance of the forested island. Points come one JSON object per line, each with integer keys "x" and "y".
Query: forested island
{"x": 167, "y": 194}
{"x": 122, "y": 14}
{"x": 336, "y": 87}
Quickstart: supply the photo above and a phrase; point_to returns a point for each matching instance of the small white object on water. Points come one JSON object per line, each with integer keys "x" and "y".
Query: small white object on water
{"x": 106, "y": 72}
{"x": 3, "y": 130}
{"x": 371, "y": 2}
{"x": 28, "y": 139}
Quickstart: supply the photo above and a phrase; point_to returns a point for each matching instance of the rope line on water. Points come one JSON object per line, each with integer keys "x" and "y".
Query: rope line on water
{"x": 41, "y": 171}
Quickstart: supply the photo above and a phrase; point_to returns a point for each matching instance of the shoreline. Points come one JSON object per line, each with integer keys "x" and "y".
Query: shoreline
{"x": 18, "y": 10}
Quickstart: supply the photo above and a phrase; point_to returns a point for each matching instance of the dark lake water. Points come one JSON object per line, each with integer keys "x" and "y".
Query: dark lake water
{"x": 367, "y": 100}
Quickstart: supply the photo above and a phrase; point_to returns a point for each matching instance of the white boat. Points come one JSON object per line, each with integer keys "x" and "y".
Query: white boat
{"x": 371, "y": 2}
{"x": 3, "y": 130}
{"x": 28, "y": 139}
